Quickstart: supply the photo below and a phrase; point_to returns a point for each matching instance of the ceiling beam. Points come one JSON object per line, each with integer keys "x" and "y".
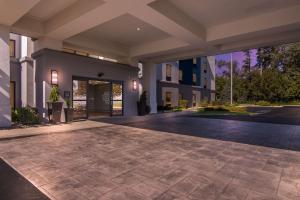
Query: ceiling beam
{"x": 12, "y": 10}
{"x": 81, "y": 17}
{"x": 157, "y": 47}
{"x": 281, "y": 20}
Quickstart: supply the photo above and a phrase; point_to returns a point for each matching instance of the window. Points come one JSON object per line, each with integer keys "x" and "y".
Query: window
{"x": 12, "y": 48}
{"x": 68, "y": 50}
{"x": 180, "y": 75}
{"x": 117, "y": 98}
{"x": 194, "y": 78}
{"x": 169, "y": 72}
{"x": 80, "y": 98}
{"x": 168, "y": 98}
{"x": 81, "y": 53}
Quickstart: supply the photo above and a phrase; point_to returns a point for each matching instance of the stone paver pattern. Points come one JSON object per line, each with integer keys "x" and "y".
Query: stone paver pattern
{"x": 117, "y": 162}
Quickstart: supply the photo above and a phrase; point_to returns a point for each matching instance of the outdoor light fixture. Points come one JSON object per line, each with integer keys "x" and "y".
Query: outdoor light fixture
{"x": 54, "y": 77}
{"x": 134, "y": 85}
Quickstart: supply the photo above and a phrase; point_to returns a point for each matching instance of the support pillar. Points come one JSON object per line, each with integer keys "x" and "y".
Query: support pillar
{"x": 27, "y": 79}
{"x": 149, "y": 84}
{"x": 5, "y": 110}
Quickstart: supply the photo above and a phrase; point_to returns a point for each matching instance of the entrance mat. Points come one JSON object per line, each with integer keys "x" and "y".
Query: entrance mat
{"x": 14, "y": 186}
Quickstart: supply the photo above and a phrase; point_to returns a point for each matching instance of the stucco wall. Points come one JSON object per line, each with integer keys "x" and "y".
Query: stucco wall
{"x": 69, "y": 65}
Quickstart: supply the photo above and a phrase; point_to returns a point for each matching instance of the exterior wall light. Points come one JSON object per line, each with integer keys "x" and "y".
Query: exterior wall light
{"x": 54, "y": 77}
{"x": 134, "y": 85}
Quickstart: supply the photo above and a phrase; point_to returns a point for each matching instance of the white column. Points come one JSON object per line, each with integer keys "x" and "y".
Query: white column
{"x": 149, "y": 84}
{"x": 5, "y": 110}
{"x": 27, "y": 80}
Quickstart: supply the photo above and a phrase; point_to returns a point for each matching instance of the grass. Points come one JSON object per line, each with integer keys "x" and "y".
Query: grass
{"x": 223, "y": 110}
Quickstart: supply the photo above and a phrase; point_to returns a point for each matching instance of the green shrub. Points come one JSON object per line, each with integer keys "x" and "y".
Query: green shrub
{"x": 263, "y": 103}
{"x": 26, "y": 116}
{"x": 177, "y": 109}
{"x": 54, "y": 95}
{"x": 218, "y": 108}
{"x": 236, "y": 109}
{"x": 204, "y": 103}
{"x": 183, "y": 103}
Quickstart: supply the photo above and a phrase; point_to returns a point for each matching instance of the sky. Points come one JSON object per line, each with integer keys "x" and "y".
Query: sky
{"x": 236, "y": 56}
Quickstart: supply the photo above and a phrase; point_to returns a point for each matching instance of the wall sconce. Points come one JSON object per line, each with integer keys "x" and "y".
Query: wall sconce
{"x": 134, "y": 85}
{"x": 54, "y": 77}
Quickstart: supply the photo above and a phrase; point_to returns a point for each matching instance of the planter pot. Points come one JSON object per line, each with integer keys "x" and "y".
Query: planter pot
{"x": 69, "y": 114}
{"x": 140, "y": 108}
{"x": 55, "y": 110}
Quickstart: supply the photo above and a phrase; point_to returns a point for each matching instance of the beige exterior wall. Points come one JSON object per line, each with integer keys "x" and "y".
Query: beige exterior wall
{"x": 198, "y": 97}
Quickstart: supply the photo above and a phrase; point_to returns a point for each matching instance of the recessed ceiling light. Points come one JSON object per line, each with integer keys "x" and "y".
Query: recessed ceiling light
{"x": 138, "y": 29}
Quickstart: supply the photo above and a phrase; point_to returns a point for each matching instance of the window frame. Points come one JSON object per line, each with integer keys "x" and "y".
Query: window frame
{"x": 14, "y": 48}
{"x": 168, "y": 72}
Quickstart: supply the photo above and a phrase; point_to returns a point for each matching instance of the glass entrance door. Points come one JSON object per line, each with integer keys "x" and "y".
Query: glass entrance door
{"x": 117, "y": 99}
{"x": 80, "y": 99}
{"x": 96, "y": 98}
{"x": 99, "y": 98}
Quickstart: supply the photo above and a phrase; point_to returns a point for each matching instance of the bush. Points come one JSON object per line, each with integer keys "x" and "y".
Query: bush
{"x": 183, "y": 103}
{"x": 26, "y": 116}
{"x": 263, "y": 103}
{"x": 219, "y": 109}
{"x": 54, "y": 95}
{"x": 204, "y": 103}
{"x": 177, "y": 109}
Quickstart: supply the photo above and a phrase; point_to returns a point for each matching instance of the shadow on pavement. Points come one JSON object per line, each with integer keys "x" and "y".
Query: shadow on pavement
{"x": 13, "y": 186}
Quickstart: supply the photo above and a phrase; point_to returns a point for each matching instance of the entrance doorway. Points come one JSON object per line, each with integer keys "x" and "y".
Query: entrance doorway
{"x": 94, "y": 98}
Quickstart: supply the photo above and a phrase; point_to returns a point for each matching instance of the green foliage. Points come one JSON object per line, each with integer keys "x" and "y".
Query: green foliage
{"x": 204, "y": 103}
{"x": 263, "y": 103}
{"x": 183, "y": 103}
{"x": 224, "y": 109}
{"x": 54, "y": 94}
{"x": 275, "y": 78}
{"x": 68, "y": 103}
{"x": 26, "y": 116}
{"x": 177, "y": 109}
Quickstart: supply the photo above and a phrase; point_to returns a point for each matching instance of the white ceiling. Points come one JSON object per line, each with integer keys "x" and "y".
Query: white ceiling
{"x": 210, "y": 13}
{"x": 123, "y": 30}
{"x": 46, "y": 9}
{"x": 168, "y": 27}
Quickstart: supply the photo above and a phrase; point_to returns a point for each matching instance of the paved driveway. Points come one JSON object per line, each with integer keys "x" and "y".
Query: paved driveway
{"x": 289, "y": 115}
{"x": 281, "y": 136}
{"x": 118, "y": 163}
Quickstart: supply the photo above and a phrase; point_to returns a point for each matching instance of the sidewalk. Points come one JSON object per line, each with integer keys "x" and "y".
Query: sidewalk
{"x": 23, "y": 132}
{"x": 77, "y": 125}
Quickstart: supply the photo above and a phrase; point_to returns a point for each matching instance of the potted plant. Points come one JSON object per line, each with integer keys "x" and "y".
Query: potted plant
{"x": 68, "y": 111}
{"x": 54, "y": 106}
{"x": 142, "y": 107}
